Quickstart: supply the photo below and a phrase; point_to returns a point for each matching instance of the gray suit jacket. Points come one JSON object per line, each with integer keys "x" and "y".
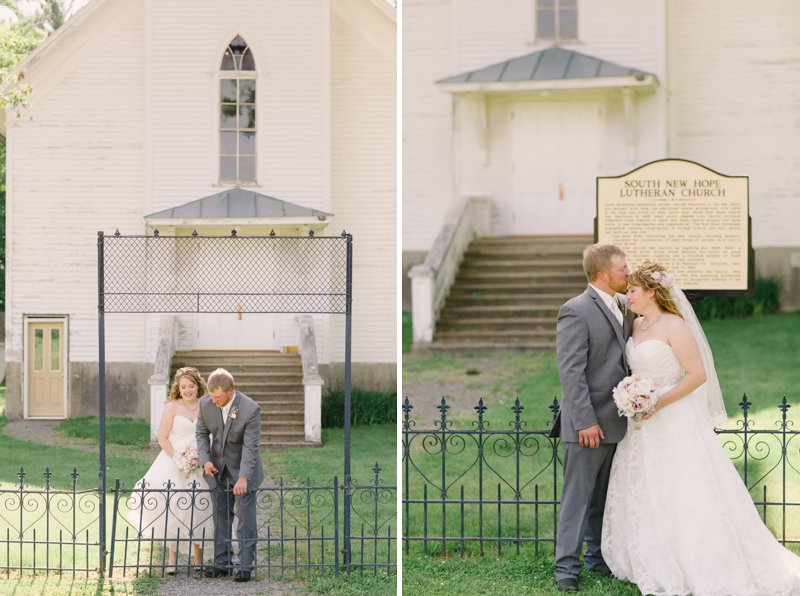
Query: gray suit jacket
{"x": 590, "y": 347}
{"x": 234, "y": 444}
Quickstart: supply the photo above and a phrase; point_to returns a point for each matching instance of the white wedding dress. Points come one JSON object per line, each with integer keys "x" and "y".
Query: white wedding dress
{"x": 187, "y": 511}
{"x": 678, "y": 518}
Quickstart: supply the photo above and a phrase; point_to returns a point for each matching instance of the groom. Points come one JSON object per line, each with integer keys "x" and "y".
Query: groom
{"x": 231, "y": 457}
{"x": 590, "y": 343}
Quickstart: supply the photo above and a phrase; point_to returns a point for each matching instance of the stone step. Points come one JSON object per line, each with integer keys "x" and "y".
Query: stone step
{"x": 512, "y": 323}
{"x": 278, "y": 407}
{"x": 270, "y": 428}
{"x": 520, "y": 261}
{"x": 533, "y": 287}
{"x": 287, "y": 444}
{"x": 546, "y": 240}
{"x": 492, "y": 346}
{"x": 518, "y": 275}
{"x": 522, "y": 308}
{"x": 293, "y": 415}
{"x": 496, "y": 333}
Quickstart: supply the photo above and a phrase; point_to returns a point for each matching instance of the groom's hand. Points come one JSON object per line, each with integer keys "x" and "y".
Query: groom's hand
{"x": 240, "y": 487}
{"x": 209, "y": 469}
{"x": 590, "y": 436}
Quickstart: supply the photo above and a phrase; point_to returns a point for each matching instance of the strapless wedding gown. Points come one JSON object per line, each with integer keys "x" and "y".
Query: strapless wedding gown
{"x": 187, "y": 513}
{"x": 678, "y": 518}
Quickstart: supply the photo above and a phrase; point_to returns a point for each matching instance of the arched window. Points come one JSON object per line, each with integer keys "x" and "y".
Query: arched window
{"x": 237, "y": 117}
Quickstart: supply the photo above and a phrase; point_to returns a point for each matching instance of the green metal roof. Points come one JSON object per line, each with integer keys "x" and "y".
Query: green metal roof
{"x": 550, "y": 64}
{"x": 237, "y": 203}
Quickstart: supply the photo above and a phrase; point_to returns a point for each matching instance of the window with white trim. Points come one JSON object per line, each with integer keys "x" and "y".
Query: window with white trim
{"x": 237, "y": 114}
{"x": 556, "y": 20}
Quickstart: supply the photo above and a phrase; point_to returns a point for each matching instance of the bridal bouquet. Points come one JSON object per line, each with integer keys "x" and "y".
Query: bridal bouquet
{"x": 634, "y": 397}
{"x": 187, "y": 460}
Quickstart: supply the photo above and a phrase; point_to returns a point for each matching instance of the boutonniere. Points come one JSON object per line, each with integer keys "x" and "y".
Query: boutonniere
{"x": 232, "y": 414}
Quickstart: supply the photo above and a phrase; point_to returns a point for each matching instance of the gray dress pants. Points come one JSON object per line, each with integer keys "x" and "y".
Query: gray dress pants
{"x": 583, "y": 499}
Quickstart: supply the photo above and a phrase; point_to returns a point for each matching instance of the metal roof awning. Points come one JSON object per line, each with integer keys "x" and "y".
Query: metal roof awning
{"x": 237, "y": 206}
{"x": 549, "y": 69}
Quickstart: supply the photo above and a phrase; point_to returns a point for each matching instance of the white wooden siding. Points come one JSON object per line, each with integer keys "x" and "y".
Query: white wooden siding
{"x": 428, "y": 55}
{"x": 363, "y": 88}
{"x": 123, "y": 123}
{"x": 76, "y": 158}
{"x": 289, "y": 45}
{"x": 735, "y": 81}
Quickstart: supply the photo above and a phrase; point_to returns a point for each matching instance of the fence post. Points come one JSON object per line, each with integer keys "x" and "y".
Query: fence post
{"x": 101, "y": 369}
{"x": 347, "y": 355}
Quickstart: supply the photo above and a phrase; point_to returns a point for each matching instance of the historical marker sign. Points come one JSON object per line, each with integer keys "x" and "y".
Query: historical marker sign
{"x": 691, "y": 219}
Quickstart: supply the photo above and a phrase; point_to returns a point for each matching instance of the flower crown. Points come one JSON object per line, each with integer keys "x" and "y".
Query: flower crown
{"x": 664, "y": 279}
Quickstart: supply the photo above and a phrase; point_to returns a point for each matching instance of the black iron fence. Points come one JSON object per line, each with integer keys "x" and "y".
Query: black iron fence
{"x": 299, "y": 528}
{"x": 45, "y": 529}
{"x": 479, "y": 489}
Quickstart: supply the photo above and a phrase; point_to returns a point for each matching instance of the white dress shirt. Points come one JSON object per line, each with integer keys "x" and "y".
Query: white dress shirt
{"x": 226, "y": 409}
{"x": 610, "y": 302}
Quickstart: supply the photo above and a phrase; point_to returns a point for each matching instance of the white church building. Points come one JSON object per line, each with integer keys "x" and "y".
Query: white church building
{"x": 165, "y": 115}
{"x": 512, "y": 109}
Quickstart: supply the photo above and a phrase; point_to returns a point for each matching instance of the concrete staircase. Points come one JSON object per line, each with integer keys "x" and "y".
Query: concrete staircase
{"x": 508, "y": 291}
{"x": 273, "y": 380}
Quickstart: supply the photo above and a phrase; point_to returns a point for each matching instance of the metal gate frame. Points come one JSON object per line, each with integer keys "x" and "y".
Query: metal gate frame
{"x": 104, "y": 290}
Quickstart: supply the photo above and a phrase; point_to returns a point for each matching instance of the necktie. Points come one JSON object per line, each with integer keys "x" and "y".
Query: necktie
{"x": 615, "y": 309}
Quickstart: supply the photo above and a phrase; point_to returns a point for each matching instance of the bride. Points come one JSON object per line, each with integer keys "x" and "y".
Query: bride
{"x": 187, "y": 517}
{"x": 678, "y": 519}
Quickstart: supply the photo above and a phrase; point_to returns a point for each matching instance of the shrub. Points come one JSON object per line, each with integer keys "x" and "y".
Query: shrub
{"x": 765, "y": 299}
{"x": 366, "y": 407}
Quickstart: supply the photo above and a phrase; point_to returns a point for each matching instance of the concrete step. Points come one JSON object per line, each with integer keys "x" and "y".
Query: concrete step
{"x": 519, "y": 275}
{"x": 270, "y": 428}
{"x": 279, "y": 406}
{"x": 507, "y": 293}
{"x": 522, "y": 261}
{"x": 491, "y": 346}
{"x": 496, "y": 334}
{"x": 511, "y": 323}
{"x": 522, "y": 308}
{"x": 287, "y": 444}
{"x": 294, "y": 415}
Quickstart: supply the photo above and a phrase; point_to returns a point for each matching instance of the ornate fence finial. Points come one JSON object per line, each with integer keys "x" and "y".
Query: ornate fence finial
{"x": 554, "y": 408}
{"x": 194, "y": 233}
{"x": 377, "y": 472}
{"x": 443, "y": 407}
{"x": 745, "y": 404}
{"x": 517, "y": 409}
{"x": 344, "y": 233}
{"x": 116, "y": 232}
{"x": 233, "y": 233}
{"x": 407, "y": 407}
{"x": 784, "y": 406}
{"x": 272, "y": 233}
{"x": 311, "y": 233}
{"x": 21, "y": 476}
{"x": 47, "y": 475}
{"x": 74, "y": 477}
{"x": 480, "y": 409}
{"x": 155, "y": 233}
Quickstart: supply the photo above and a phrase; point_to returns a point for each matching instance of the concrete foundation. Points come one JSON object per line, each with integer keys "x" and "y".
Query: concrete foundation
{"x": 127, "y": 390}
{"x": 377, "y": 376}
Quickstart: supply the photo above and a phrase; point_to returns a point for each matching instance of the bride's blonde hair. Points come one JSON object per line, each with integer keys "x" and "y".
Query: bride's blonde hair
{"x": 652, "y": 276}
{"x": 191, "y": 373}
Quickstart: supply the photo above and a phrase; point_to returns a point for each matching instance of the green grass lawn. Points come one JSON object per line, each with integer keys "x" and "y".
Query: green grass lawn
{"x": 755, "y": 356}
{"x": 129, "y": 457}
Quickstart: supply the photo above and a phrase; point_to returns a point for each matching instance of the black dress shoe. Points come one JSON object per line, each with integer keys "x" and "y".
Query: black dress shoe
{"x": 567, "y": 584}
{"x": 242, "y": 576}
{"x": 215, "y": 572}
{"x": 601, "y": 570}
